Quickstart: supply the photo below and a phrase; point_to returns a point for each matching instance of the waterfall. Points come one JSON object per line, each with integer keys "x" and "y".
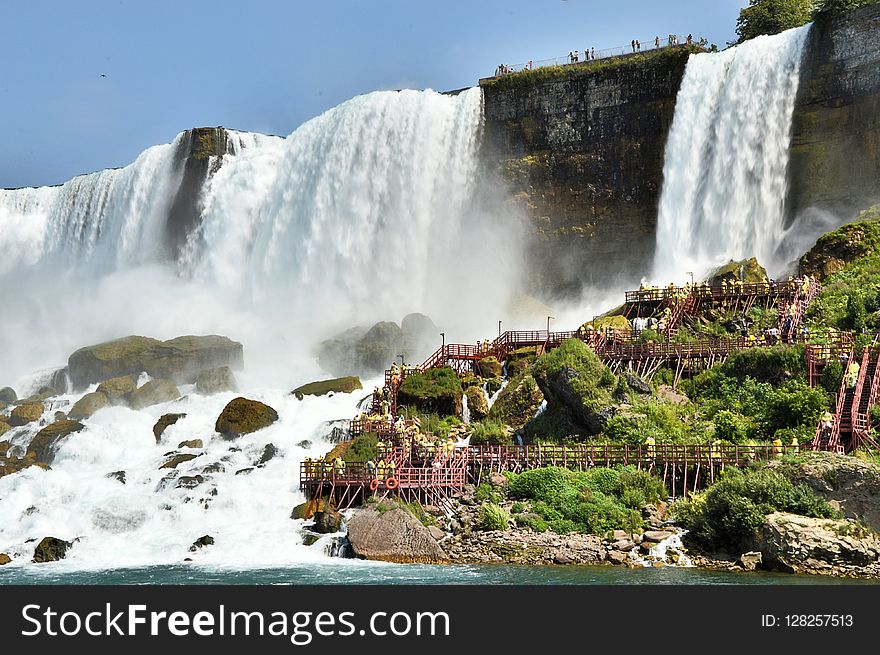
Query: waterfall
{"x": 724, "y": 175}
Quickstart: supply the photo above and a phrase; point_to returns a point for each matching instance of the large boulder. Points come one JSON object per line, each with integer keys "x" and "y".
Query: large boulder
{"x": 323, "y": 387}
{"x": 327, "y": 522}
{"x": 117, "y": 389}
{"x": 436, "y": 391}
{"x": 216, "y": 380}
{"x": 801, "y": 544}
{"x": 517, "y": 403}
{"x": 43, "y": 445}
{"x": 88, "y": 405}
{"x": 243, "y": 416}
{"x": 489, "y": 367}
{"x": 25, "y": 413}
{"x": 394, "y": 535}
{"x": 4, "y": 426}
{"x": 379, "y": 346}
{"x": 51, "y": 549}
{"x": 747, "y": 270}
{"x": 836, "y": 249}
{"x": 419, "y": 336}
{"x": 478, "y": 407}
{"x": 153, "y": 393}
{"x": 179, "y": 359}
{"x": 164, "y": 421}
{"x": 8, "y": 395}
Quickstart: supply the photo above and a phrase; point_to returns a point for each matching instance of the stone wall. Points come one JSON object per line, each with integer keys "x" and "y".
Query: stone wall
{"x": 581, "y": 150}
{"x": 835, "y": 152}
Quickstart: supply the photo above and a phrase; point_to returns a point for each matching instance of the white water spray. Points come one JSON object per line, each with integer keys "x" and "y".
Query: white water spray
{"x": 724, "y": 176}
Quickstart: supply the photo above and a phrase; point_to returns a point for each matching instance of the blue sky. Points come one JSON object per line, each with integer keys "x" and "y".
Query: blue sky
{"x": 268, "y": 65}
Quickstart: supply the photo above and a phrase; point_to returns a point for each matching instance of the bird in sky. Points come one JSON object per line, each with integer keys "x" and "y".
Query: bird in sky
{"x": 103, "y": 75}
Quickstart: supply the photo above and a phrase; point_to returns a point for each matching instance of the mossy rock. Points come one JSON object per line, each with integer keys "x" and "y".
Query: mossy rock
{"x": 26, "y": 413}
{"x": 244, "y": 416}
{"x": 4, "y": 427}
{"x": 42, "y": 446}
{"x": 747, "y": 270}
{"x": 216, "y": 380}
{"x": 615, "y": 322}
{"x": 116, "y": 389}
{"x": 477, "y": 405}
{"x": 517, "y": 403}
{"x": 4, "y": 559}
{"x": 164, "y": 421}
{"x": 436, "y": 391}
{"x": 323, "y": 387}
{"x": 152, "y": 393}
{"x": 489, "y": 367}
{"x": 192, "y": 443}
{"x": 518, "y": 367}
{"x": 378, "y": 347}
{"x": 8, "y": 395}
{"x": 179, "y": 359}
{"x": 836, "y": 249}
{"x": 88, "y": 405}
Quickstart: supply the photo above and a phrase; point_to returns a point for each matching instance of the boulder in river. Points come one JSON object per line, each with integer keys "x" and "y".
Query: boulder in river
{"x": 201, "y": 542}
{"x": 327, "y": 522}
{"x": 164, "y": 421}
{"x": 216, "y": 380}
{"x": 88, "y": 405}
{"x": 51, "y": 549}
{"x": 153, "y": 392}
{"x": 43, "y": 445}
{"x": 25, "y": 413}
{"x": 243, "y": 416}
{"x": 323, "y": 387}
{"x": 8, "y": 395}
{"x": 118, "y": 388}
{"x": 394, "y": 535}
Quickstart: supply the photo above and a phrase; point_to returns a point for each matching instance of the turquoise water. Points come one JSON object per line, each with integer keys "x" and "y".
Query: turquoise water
{"x": 354, "y": 572}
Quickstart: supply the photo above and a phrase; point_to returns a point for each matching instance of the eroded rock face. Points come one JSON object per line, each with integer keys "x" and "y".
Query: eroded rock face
{"x": 216, "y": 380}
{"x": 392, "y": 536}
{"x": 179, "y": 359}
{"x": 243, "y": 416}
{"x": 477, "y": 405}
{"x": 802, "y": 544}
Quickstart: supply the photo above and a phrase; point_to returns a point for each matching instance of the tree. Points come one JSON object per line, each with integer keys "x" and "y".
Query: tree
{"x": 772, "y": 17}
{"x": 833, "y": 7}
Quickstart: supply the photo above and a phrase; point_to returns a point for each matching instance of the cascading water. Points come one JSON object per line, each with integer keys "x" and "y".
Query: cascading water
{"x": 724, "y": 175}
{"x": 365, "y": 211}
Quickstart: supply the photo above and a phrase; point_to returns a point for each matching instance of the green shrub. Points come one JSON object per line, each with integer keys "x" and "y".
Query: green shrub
{"x": 543, "y": 484}
{"x": 731, "y": 512}
{"x": 632, "y": 479}
{"x": 533, "y": 522}
{"x": 563, "y": 526}
{"x": 490, "y": 432}
{"x": 485, "y": 492}
{"x": 362, "y": 448}
{"x": 730, "y": 426}
{"x": 517, "y": 508}
{"x": 493, "y": 517}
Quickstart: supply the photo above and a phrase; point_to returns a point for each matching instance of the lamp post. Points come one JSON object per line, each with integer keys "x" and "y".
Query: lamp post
{"x": 692, "y": 277}
{"x": 443, "y": 336}
{"x": 499, "y": 328}
{"x": 548, "y": 325}
{"x": 401, "y": 360}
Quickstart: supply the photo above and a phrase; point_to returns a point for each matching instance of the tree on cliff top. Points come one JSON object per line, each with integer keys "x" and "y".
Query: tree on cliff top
{"x": 772, "y": 17}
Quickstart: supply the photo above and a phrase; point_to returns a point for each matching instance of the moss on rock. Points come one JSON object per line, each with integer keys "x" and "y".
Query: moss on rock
{"x": 42, "y": 446}
{"x": 88, "y": 405}
{"x": 436, "y": 391}
{"x": 26, "y": 413}
{"x": 517, "y": 403}
{"x": 323, "y": 387}
{"x": 243, "y": 416}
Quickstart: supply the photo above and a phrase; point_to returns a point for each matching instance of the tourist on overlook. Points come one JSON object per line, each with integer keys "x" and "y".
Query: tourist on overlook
{"x": 657, "y": 42}
{"x": 633, "y": 43}
{"x": 593, "y": 54}
{"x": 638, "y": 45}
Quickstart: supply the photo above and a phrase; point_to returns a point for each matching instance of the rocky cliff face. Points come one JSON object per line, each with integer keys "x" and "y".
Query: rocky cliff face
{"x": 581, "y": 150}
{"x": 835, "y": 149}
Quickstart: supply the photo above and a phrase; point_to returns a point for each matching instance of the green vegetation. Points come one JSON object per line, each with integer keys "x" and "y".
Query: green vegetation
{"x": 323, "y": 387}
{"x": 666, "y": 56}
{"x": 730, "y": 513}
{"x": 593, "y": 501}
{"x": 361, "y": 449}
{"x": 437, "y": 391}
{"x": 594, "y": 383}
{"x": 772, "y": 17}
{"x": 490, "y": 432}
{"x": 835, "y": 7}
{"x": 493, "y": 517}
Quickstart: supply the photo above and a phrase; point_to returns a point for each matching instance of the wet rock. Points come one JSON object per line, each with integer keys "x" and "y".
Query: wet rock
{"x": 657, "y": 536}
{"x": 749, "y": 561}
{"x": 244, "y": 416}
{"x": 193, "y": 443}
{"x": 88, "y": 405}
{"x": 43, "y": 445}
{"x": 51, "y": 549}
{"x": 392, "y": 536}
{"x": 307, "y": 510}
{"x": 118, "y": 388}
{"x": 216, "y": 380}
{"x": 216, "y": 467}
{"x": 8, "y": 395}
{"x": 327, "y": 522}
{"x": 59, "y": 416}
{"x": 305, "y": 444}
{"x": 245, "y": 471}
{"x": 119, "y": 476}
{"x": 517, "y": 403}
{"x": 269, "y": 453}
{"x": 189, "y": 481}
{"x": 177, "y": 460}
{"x": 179, "y": 359}
{"x": 4, "y": 559}
{"x": 624, "y": 545}
{"x": 617, "y": 557}
{"x": 4, "y": 426}
{"x": 25, "y": 413}
{"x": 563, "y": 558}
{"x": 201, "y": 542}
{"x": 164, "y": 421}
{"x": 747, "y": 270}
{"x": 152, "y": 393}
{"x": 324, "y": 387}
